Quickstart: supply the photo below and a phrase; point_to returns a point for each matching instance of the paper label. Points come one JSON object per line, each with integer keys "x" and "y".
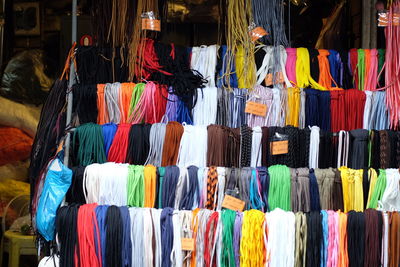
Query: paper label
{"x": 279, "y": 147}
{"x": 269, "y": 79}
{"x": 256, "y": 108}
{"x": 233, "y": 203}
{"x": 187, "y": 244}
{"x": 383, "y": 19}
{"x": 151, "y": 24}
{"x": 257, "y": 33}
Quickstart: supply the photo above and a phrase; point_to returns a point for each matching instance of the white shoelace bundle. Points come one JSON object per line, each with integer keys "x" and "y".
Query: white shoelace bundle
{"x": 205, "y": 110}
{"x": 204, "y": 60}
{"x": 391, "y": 197}
{"x": 281, "y": 238}
{"x": 367, "y": 110}
{"x": 156, "y": 216}
{"x": 343, "y": 149}
{"x": 314, "y": 147}
{"x": 194, "y": 138}
{"x": 256, "y": 147}
{"x": 91, "y": 183}
{"x": 137, "y": 236}
{"x": 200, "y": 178}
{"x": 220, "y": 192}
{"x": 176, "y": 253}
{"x": 148, "y": 236}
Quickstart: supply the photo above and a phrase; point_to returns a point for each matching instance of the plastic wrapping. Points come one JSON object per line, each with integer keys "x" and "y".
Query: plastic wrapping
{"x": 57, "y": 182}
{"x": 24, "y": 79}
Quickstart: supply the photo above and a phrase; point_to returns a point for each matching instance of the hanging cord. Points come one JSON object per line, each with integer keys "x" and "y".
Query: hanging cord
{"x": 135, "y": 99}
{"x": 239, "y": 15}
{"x": 88, "y": 231}
{"x": 279, "y": 188}
{"x": 150, "y": 183}
{"x": 112, "y": 100}
{"x": 314, "y": 238}
{"x": 252, "y": 243}
{"x": 114, "y": 237}
{"x": 228, "y": 220}
{"x": 119, "y": 146}
{"x": 194, "y": 137}
{"x": 66, "y": 232}
{"x": 138, "y": 237}
{"x": 373, "y": 237}
{"x": 85, "y": 99}
{"x": 190, "y": 196}
{"x": 148, "y": 251}
{"x": 156, "y": 139}
{"x": 170, "y": 182}
{"x": 314, "y": 192}
{"x": 135, "y": 186}
{"x": 125, "y": 97}
{"x": 109, "y": 131}
{"x": 138, "y": 144}
{"x": 173, "y": 135}
{"x": 356, "y": 238}
{"x": 88, "y": 144}
{"x": 167, "y": 235}
{"x": 112, "y": 184}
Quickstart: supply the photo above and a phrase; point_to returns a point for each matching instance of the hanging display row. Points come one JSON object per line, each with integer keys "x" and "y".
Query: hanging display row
{"x": 96, "y": 235}
{"x": 164, "y": 144}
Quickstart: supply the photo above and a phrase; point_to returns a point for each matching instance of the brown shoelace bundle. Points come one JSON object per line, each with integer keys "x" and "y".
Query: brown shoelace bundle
{"x": 173, "y": 135}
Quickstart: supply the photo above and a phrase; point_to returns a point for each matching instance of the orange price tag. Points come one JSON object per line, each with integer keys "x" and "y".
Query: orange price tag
{"x": 280, "y": 147}
{"x": 151, "y": 24}
{"x": 257, "y": 33}
{"x": 233, "y": 203}
{"x": 256, "y": 108}
{"x": 187, "y": 244}
{"x": 269, "y": 79}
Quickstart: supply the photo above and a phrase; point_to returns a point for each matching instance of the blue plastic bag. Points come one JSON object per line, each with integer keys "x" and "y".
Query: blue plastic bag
{"x": 56, "y": 184}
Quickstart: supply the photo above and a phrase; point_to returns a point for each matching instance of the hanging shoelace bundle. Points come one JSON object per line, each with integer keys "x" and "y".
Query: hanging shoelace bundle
{"x": 114, "y": 237}
{"x": 260, "y": 95}
{"x": 239, "y": 47}
{"x": 75, "y": 193}
{"x": 66, "y": 227}
{"x": 109, "y": 131}
{"x": 138, "y": 144}
{"x": 126, "y": 92}
{"x": 85, "y": 99}
{"x": 49, "y": 131}
{"x": 119, "y": 147}
{"x": 173, "y": 135}
{"x": 112, "y": 101}
{"x": 314, "y": 238}
{"x": 356, "y": 238}
{"x": 193, "y": 136}
{"x": 184, "y": 81}
{"x": 156, "y": 139}
{"x": 88, "y": 144}
{"x": 88, "y": 231}
{"x": 245, "y": 145}
{"x": 279, "y": 188}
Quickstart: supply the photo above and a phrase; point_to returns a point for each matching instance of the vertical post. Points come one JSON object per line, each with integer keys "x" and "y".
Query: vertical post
{"x": 70, "y": 84}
